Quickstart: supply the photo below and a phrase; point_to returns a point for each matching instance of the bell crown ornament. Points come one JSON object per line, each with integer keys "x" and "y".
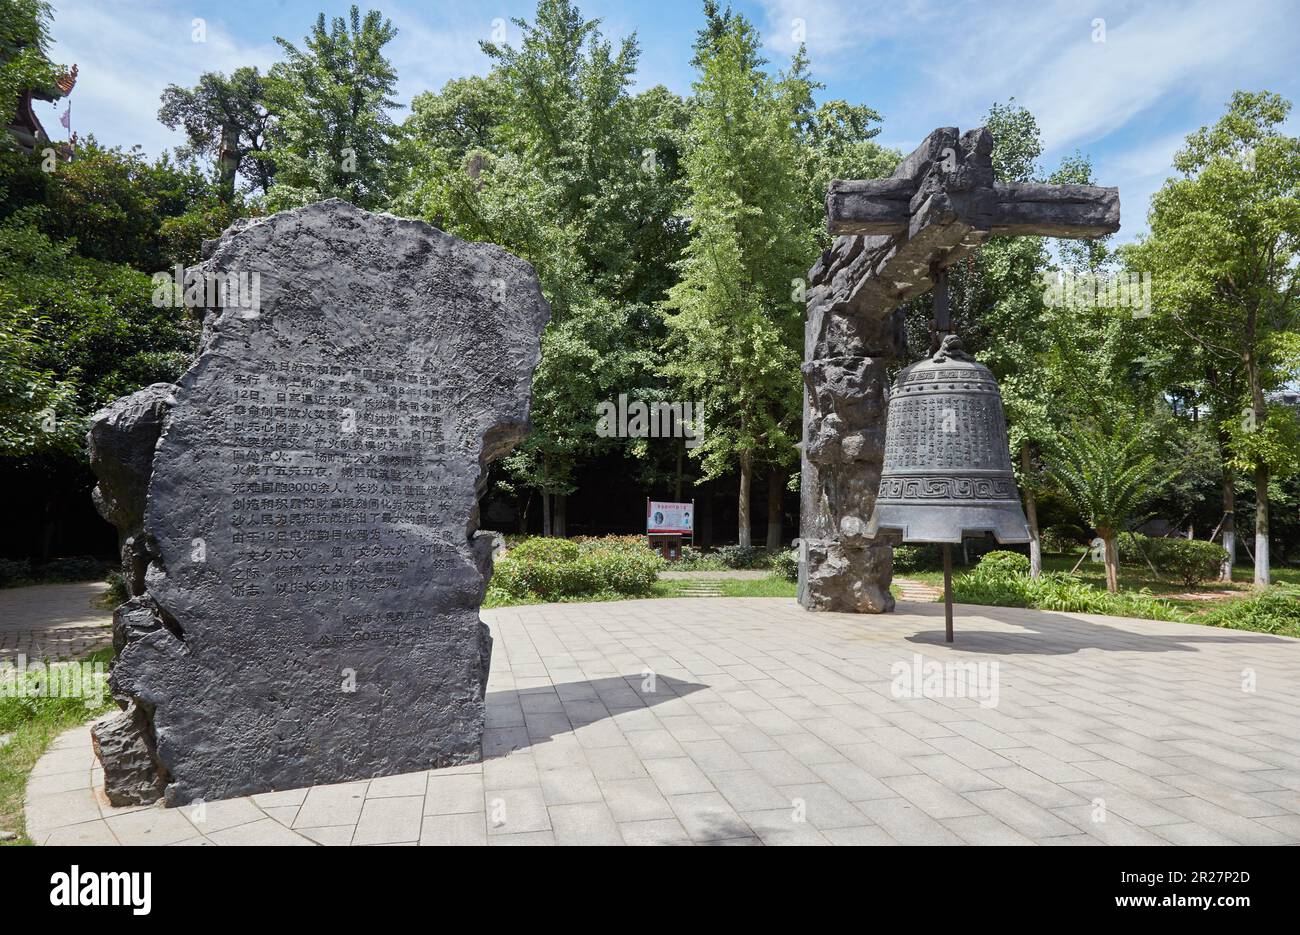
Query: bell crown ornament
{"x": 947, "y": 468}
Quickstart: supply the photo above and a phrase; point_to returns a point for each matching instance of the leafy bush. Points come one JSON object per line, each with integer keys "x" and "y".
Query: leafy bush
{"x": 76, "y": 568}
{"x": 786, "y": 565}
{"x": 545, "y": 549}
{"x": 743, "y": 556}
{"x": 694, "y": 560}
{"x": 548, "y": 569}
{"x": 1000, "y": 586}
{"x": 1062, "y": 538}
{"x": 917, "y": 558}
{"x": 623, "y": 564}
{"x": 996, "y": 587}
{"x": 1188, "y": 560}
{"x": 1276, "y": 610}
{"x": 117, "y": 592}
{"x": 12, "y": 572}
{"x": 1005, "y": 561}
{"x": 522, "y": 577}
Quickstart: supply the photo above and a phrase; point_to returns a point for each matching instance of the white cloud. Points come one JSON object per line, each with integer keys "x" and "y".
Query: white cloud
{"x": 835, "y": 30}
{"x": 427, "y": 57}
{"x": 953, "y": 58}
{"x": 126, "y": 54}
{"x": 943, "y": 64}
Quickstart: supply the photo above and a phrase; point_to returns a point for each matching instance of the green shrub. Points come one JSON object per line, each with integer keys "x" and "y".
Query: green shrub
{"x": 786, "y": 564}
{"x": 622, "y": 564}
{"x": 1055, "y": 591}
{"x": 117, "y": 592}
{"x": 694, "y": 560}
{"x": 545, "y": 549}
{"x": 1003, "y": 560}
{"x": 610, "y": 543}
{"x": 993, "y": 586}
{"x": 1187, "y": 560}
{"x": 1276, "y": 610}
{"x": 14, "y": 572}
{"x": 75, "y": 568}
{"x": 1062, "y": 538}
{"x": 547, "y": 569}
{"x": 1190, "y": 560}
{"x": 909, "y": 558}
{"x": 743, "y": 557}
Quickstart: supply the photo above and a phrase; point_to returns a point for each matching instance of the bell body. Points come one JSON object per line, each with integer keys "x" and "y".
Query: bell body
{"x": 947, "y": 468}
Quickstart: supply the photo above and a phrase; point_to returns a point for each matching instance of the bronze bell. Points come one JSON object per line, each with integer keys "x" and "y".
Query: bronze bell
{"x": 947, "y": 469}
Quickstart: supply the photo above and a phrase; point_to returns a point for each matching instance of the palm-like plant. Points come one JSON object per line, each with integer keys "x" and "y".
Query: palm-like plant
{"x": 1109, "y": 476}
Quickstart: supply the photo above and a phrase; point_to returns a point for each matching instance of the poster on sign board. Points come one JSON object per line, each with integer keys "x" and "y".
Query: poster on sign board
{"x": 663, "y": 516}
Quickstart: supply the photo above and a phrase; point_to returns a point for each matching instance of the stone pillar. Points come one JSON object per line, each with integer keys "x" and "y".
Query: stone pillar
{"x": 845, "y": 385}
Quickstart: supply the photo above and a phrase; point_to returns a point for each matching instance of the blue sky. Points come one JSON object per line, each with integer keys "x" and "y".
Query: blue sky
{"x": 1163, "y": 69}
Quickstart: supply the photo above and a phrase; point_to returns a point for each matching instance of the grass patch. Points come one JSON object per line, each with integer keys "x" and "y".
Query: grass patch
{"x": 771, "y": 586}
{"x": 34, "y": 723}
{"x": 1136, "y": 579}
{"x": 498, "y": 598}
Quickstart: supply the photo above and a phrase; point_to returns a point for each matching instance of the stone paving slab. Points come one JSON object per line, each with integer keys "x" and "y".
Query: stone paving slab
{"x": 750, "y": 721}
{"x": 53, "y": 621}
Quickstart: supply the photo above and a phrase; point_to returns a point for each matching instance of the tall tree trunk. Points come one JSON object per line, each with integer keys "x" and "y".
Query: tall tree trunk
{"x": 1262, "y": 576}
{"x": 560, "y": 519}
{"x": 746, "y": 481}
{"x": 1229, "y": 523}
{"x": 704, "y": 515}
{"x": 774, "y": 485}
{"x": 677, "y": 490}
{"x": 546, "y": 495}
{"x": 1031, "y": 514}
{"x": 1259, "y": 410}
{"x": 1110, "y": 554}
{"x": 228, "y": 163}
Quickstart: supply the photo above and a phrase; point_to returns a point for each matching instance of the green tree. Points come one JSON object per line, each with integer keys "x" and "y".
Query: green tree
{"x": 332, "y": 136}
{"x": 1109, "y": 477}
{"x": 1224, "y": 256}
{"x": 36, "y": 407}
{"x": 226, "y": 120}
{"x": 24, "y": 65}
{"x": 116, "y": 205}
{"x": 75, "y": 333}
{"x": 735, "y": 327}
{"x": 551, "y": 156}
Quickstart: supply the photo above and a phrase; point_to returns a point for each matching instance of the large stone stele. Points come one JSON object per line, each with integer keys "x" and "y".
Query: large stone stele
{"x": 314, "y": 579}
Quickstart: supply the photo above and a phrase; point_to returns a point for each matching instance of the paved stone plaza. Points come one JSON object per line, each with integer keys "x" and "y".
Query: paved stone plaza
{"x": 771, "y": 725}
{"x": 55, "y": 621}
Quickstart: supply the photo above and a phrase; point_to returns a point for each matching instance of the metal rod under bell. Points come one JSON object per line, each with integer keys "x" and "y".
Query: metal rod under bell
{"x": 947, "y": 592}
